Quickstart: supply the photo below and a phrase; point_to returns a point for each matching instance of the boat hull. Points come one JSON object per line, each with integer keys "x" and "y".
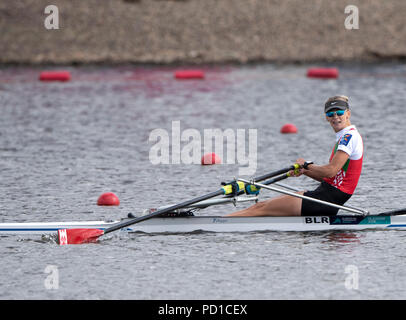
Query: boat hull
{"x": 221, "y": 224}
{"x": 252, "y": 224}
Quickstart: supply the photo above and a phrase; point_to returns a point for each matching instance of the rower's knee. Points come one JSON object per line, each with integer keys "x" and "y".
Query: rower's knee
{"x": 261, "y": 207}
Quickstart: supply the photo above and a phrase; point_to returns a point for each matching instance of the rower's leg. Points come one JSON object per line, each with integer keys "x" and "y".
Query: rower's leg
{"x": 280, "y": 206}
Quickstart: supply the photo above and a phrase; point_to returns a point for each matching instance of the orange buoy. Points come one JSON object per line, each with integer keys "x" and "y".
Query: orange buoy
{"x": 289, "y": 128}
{"x": 108, "y": 199}
{"x": 189, "y": 74}
{"x": 210, "y": 158}
{"x": 323, "y": 73}
{"x": 54, "y": 76}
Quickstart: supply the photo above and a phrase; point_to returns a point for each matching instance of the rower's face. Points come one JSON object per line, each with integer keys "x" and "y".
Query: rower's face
{"x": 339, "y": 122}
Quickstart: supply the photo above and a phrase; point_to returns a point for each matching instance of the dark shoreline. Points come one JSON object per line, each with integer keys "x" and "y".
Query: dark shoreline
{"x": 319, "y": 63}
{"x": 196, "y": 33}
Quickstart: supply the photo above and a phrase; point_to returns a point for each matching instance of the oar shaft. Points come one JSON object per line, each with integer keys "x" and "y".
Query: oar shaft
{"x": 76, "y": 236}
{"x": 396, "y": 212}
{"x": 127, "y": 223}
{"x": 162, "y": 211}
{"x": 276, "y": 173}
{"x": 353, "y": 210}
{"x": 276, "y": 179}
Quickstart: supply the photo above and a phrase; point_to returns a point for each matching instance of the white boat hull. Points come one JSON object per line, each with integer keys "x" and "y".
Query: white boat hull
{"x": 251, "y": 224}
{"x": 221, "y": 224}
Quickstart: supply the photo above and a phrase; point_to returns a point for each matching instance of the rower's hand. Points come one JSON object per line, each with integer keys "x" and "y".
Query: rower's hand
{"x": 301, "y": 161}
{"x": 298, "y": 172}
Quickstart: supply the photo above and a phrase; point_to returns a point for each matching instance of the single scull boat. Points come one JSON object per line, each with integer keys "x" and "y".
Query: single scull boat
{"x": 179, "y": 218}
{"x": 221, "y": 224}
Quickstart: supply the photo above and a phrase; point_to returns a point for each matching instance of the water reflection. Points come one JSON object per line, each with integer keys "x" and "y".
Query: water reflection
{"x": 345, "y": 237}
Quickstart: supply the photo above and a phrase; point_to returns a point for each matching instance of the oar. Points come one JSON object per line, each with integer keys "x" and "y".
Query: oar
{"x": 231, "y": 198}
{"x": 396, "y": 212}
{"x": 77, "y": 236}
{"x": 347, "y": 208}
{"x": 276, "y": 179}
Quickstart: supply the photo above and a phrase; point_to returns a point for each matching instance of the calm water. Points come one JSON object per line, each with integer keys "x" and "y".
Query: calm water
{"x": 63, "y": 144}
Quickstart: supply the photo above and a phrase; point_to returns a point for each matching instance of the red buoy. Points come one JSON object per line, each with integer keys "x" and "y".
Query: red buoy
{"x": 323, "y": 73}
{"x": 210, "y": 158}
{"x": 289, "y": 128}
{"x": 108, "y": 199}
{"x": 189, "y": 74}
{"x": 54, "y": 76}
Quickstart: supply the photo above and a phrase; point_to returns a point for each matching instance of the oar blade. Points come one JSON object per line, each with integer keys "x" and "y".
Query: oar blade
{"x": 78, "y": 236}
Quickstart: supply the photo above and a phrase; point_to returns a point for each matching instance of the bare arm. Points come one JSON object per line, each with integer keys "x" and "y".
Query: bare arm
{"x": 318, "y": 173}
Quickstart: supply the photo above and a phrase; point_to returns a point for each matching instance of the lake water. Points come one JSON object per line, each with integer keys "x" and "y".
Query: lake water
{"x": 64, "y": 144}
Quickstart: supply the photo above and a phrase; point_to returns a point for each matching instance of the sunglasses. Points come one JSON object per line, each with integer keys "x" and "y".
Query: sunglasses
{"x": 332, "y": 113}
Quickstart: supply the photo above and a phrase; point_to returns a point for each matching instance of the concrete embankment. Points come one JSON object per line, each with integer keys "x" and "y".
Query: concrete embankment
{"x": 196, "y": 31}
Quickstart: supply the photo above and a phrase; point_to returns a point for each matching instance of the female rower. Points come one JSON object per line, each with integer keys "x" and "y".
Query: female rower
{"x": 338, "y": 179}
